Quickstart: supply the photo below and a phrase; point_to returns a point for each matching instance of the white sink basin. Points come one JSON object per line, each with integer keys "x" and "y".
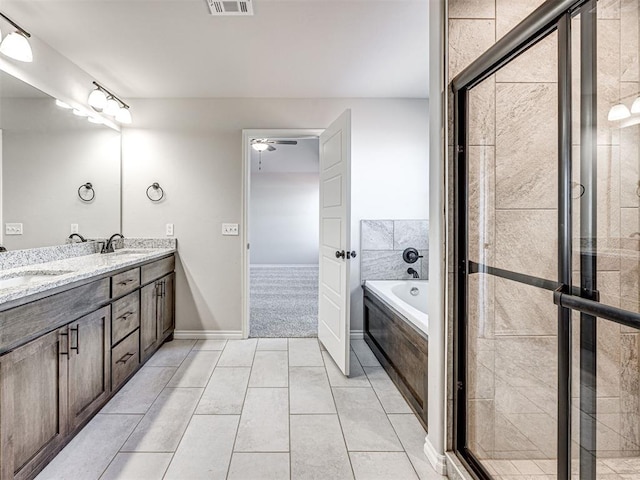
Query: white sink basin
{"x": 27, "y": 278}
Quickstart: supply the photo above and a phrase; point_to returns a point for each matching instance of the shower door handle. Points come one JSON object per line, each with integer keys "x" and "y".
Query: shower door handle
{"x": 340, "y": 254}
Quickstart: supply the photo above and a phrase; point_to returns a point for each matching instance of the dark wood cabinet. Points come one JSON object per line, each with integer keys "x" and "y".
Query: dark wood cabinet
{"x": 89, "y": 365}
{"x": 167, "y": 321}
{"x": 148, "y": 319}
{"x": 53, "y": 382}
{"x": 157, "y": 313}
{"x": 33, "y": 404}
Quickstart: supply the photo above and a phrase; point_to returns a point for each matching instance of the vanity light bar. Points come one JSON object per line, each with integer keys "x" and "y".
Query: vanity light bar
{"x": 102, "y": 100}
{"x": 16, "y": 44}
{"x": 111, "y": 94}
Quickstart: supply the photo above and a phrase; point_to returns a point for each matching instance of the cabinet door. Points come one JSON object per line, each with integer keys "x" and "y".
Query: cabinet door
{"x": 89, "y": 365}
{"x": 33, "y": 404}
{"x": 148, "y": 319}
{"x": 168, "y": 311}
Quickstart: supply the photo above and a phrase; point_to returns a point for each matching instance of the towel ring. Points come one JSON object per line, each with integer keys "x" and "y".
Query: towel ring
{"x": 86, "y": 192}
{"x": 155, "y": 193}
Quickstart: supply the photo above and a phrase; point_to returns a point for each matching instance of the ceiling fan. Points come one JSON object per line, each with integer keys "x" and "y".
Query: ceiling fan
{"x": 262, "y": 144}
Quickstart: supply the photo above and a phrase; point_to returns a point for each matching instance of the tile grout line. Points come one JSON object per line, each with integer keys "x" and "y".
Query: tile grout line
{"x": 120, "y": 448}
{"x": 404, "y": 449}
{"x": 246, "y": 392}
{"x": 149, "y": 408}
{"x": 173, "y": 454}
{"x": 346, "y": 448}
{"x": 215, "y": 366}
{"x": 375, "y": 391}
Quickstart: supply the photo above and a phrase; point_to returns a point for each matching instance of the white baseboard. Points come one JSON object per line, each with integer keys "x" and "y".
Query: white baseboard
{"x": 207, "y": 334}
{"x": 437, "y": 461}
{"x": 357, "y": 334}
{"x": 231, "y": 334}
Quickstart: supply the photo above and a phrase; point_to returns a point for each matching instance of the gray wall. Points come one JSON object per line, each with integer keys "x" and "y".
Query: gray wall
{"x": 193, "y": 147}
{"x": 284, "y": 198}
{"x": 284, "y": 225}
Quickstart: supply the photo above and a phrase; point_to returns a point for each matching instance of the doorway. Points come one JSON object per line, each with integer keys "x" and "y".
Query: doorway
{"x": 335, "y": 252}
{"x": 283, "y": 236}
{"x": 546, "y": 291}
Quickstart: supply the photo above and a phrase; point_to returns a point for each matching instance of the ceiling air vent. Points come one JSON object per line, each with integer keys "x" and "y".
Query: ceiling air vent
{"x": 230, "y": 7}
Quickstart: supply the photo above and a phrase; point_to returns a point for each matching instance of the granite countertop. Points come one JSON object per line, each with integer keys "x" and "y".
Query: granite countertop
{"x": 33, "y": 279}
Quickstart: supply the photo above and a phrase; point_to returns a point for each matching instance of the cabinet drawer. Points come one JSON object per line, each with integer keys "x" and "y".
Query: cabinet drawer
{"x": 158, "y": 269}
{"x": 125, "y": 282}
{"x": 125, "y": 358}
{"x": 125, "y": 317}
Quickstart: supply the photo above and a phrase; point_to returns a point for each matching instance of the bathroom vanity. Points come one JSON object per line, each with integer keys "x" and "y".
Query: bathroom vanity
{"x": 66, "y": 349}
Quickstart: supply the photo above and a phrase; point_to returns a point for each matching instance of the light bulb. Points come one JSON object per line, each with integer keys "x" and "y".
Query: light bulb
{"x": 61, "y": 104}
{"x": 97, "y": 99}
{"x": 260, "y": 147}
{"x": 79, "y": 113}
{"x": 16, "y": 46}
{"x": 112, "y": 107}
{"x": 635, "y": 106}
{"x": 618, "y": 112}
{"x": 124, "y": 116}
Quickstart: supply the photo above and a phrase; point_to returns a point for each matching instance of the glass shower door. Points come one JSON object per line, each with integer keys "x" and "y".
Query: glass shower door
{"x": 548, "y": 247}
{"x": 511, "y": 361}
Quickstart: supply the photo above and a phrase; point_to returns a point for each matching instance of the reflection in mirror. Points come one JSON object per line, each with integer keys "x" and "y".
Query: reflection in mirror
{"x": 46, "y": 154}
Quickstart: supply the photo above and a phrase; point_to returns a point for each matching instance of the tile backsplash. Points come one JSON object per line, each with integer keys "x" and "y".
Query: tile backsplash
{"x": 382, "y": 243}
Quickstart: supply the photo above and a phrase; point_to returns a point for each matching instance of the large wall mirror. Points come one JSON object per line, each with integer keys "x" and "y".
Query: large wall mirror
{"x": 46, "y": 154}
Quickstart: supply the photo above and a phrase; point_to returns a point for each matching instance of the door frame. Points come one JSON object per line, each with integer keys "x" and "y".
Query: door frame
{"x": 247, "y": 135}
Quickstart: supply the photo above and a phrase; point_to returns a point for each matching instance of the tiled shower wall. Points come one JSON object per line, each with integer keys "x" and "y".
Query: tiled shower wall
{"x": 382, "y": 243}
{"x": 512, "y": 156}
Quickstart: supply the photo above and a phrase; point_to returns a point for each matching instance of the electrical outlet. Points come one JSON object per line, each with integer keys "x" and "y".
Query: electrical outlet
{"x": 13, "y": 229}
{"x": 229, "y": 229}
{"x": 169, "y": 229}
{"x": 74, "y": 228}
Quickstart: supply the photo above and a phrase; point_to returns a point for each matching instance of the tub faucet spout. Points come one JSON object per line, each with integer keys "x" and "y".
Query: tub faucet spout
{"x": 411, "y": 271}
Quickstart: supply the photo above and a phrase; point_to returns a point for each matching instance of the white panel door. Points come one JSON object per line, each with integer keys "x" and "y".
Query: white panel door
{"x": 335, "y": 236}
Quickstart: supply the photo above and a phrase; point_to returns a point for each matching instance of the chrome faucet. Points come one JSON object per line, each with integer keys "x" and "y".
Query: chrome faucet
{"x": 108, "y": 247}
{"x": 82, "y": 239}
{"x": 411, "y": 271}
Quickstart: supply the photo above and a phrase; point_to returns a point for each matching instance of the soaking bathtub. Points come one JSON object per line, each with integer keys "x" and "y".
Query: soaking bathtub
{"x": 395, "y": 327}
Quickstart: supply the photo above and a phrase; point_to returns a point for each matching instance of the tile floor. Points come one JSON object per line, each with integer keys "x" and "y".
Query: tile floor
{"x": 266, "y": 408}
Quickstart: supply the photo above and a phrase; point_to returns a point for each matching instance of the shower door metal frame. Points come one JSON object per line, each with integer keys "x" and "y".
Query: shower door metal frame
{"x": 551, "y": 16}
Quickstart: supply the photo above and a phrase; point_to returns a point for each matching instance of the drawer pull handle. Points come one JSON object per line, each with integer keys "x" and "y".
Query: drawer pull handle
{"x": 126, "y": 282}
{"x": 124, "y": 316}
{"x": 66, "y": 335}
{"x": 77, "y": 347}
{"x": 125, "y": 358}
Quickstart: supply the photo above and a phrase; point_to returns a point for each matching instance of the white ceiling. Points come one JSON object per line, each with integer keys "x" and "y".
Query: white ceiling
{"x": 295, "y": 49}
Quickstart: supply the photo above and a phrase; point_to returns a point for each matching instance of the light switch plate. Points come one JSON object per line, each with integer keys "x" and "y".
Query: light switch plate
{"x": 229, "y": 229}
{"x": 13, "y": 229}
{"x": 74, "y": 228}
{"x": 169, "y": 229}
